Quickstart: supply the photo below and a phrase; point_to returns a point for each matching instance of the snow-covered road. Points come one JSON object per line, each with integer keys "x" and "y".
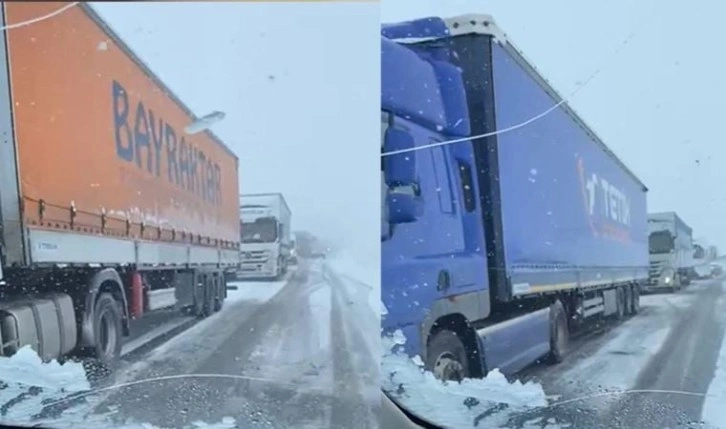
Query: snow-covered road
{"x": 279, "y": 354}
{"x": 35, "y": 387}
{"x": 664, "y": 368}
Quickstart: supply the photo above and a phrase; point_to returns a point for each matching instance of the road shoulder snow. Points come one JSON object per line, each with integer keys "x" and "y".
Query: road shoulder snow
{"x": 713, "y": 411}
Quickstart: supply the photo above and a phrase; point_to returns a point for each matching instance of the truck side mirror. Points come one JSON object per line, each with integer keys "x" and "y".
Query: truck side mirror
{"x": 399, "y": 168}
{"x": 403, "y": 200}
{"x": 403, "y": 207}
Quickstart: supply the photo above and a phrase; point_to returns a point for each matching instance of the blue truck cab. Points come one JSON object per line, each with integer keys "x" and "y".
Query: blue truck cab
{"x": 494, "y": 248}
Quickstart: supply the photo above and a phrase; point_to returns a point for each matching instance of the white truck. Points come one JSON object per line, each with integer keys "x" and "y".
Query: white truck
{"x": 266, "y": 238}
{"x": 671, "y": 251}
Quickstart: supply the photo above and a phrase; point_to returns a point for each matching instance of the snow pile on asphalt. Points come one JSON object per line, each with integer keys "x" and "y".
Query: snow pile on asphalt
{"x": 713, "y": 411}
{"x": 30, "y": 387}
{"x": 27, "y": 385}
{"x": 454, "y": 405}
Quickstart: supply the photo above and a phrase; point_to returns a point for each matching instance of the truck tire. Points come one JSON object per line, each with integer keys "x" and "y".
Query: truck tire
{"x": 107, "y": 330}
{"x": 200, "y": 297}
{"x": 559, "y": 333}
{"x": 636, "y": 298}
{"x": 220, "y": 293}
{"x": 446, "y": 357}
{"x": 628, "y": 300}
{"x": 279, "y": 273}
{"x": 209, "y": 296}
{"x": 620, "y": 303}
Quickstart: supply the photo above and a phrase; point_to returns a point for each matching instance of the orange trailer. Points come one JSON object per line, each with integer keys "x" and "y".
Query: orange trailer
{"x": 100, "y": 184}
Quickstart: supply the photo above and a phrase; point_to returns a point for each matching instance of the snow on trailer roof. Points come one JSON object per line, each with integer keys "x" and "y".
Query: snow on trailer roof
{"x": 670, "y": 217}
{"x": 119, "y": 42}
{"x": 435, "y": 28}
{"x": 265, "y": 195}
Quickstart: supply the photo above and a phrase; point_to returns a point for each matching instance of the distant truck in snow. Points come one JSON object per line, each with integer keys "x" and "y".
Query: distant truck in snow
{"x": 266, "y": 237}
{"x": 671, "y": 249}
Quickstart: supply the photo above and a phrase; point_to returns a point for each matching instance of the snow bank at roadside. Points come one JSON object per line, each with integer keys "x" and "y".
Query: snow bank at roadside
{"x": 454, "y": 405}
{"x": 713, "y": 411}
{"x": 29, "y": 385}
{"x": 366, "y": 273}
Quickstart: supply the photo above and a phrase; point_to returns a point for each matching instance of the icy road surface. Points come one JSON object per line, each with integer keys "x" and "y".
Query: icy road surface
{"x": 278, "y": 355}
{"x": 664, "y": 368}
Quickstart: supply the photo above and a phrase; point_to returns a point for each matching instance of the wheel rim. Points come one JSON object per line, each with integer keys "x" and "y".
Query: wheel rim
{"x": 107, "y": 334}
{"x": 448, "y": 369}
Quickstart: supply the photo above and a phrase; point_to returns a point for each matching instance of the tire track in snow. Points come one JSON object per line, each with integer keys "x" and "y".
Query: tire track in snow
{"x": 686, "y": 362}
{"x": 348, "y": 348}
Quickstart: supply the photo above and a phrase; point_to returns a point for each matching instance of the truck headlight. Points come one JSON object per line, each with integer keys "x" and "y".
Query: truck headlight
{"x": 667, "y": 276}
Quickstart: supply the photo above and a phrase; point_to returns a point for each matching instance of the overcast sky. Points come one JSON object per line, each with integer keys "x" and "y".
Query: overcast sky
{"x": 660, "y": 103}
{"x": 300, "y": 86}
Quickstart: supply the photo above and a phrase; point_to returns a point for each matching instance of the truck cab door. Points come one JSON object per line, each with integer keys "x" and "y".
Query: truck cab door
{"x": 467, "y": 267}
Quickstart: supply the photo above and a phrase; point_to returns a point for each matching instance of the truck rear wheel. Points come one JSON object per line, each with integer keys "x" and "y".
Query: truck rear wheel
{"x": 620, "y": 303}
{"x": 446, "y": 357}
{"x": 279, "y": 272}
{"x": 636, "y": 298}
{"x": 559, "y": 333}
{"x": 201, "y": 297}
{"x": 220, "y": 293}
{"x": 209, "y": 294}
{"x": 628, "y": 300}
{"x": 107, "y": 330}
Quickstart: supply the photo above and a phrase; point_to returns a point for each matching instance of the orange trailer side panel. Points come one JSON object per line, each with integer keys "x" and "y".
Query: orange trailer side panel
{"x": 96, "y": 133}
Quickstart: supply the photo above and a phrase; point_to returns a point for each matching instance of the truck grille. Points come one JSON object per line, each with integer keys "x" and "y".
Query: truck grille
{"x": 654, "y": 270}
{"x": 255, "y": 256}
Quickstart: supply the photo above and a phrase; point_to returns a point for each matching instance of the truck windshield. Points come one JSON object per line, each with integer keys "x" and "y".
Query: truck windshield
{"x": 262, "y": 230}
{"x": 660, "y": 242}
